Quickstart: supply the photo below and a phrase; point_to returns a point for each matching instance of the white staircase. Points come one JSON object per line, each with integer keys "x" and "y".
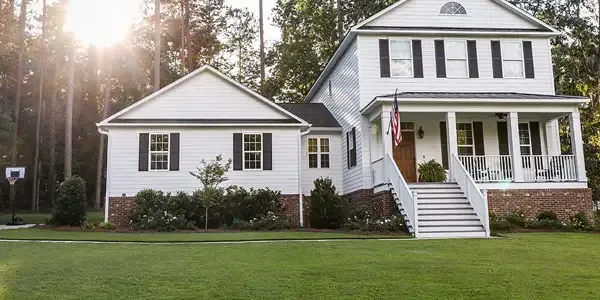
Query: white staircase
{"x": 443, "y": 211}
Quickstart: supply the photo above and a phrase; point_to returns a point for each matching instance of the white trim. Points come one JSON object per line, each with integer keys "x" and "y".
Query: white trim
{"x": 472, "y": 145}
{"x": 108, "y": 167}
{"x": 262, "y": 149}
{"x": 466, "y": 59}
{"x": 319, "y": 152}
{"x": 507, "y": 186}
{"x": 412, "y": 67}
{"x": 159, "y": 152}
{"x": 193, "y": 74}
{"x": 202, "y": 125}
{"x": 473, "y": 32}
{"x": 528, "y": 137}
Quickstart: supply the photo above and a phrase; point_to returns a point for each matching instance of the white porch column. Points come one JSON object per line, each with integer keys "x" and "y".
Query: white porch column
{"x": 452, "y": 141}
{"x": 577, "y": 145}
{"x": 553, "y": 137}
{"x": 515, "y": 146}
{"x": 385, "y": 138}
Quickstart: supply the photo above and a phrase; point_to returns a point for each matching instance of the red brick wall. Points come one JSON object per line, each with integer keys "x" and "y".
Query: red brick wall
{"x": 378, "y": 205}
{"x": 290, "y": 209}
{"x": 120, "y": 210}
{"x": 564, "y": 202}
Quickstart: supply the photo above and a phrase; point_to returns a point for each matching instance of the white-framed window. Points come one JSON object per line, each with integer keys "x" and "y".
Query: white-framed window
{"x": 525, "y": 138}
{"x": 159, "y": 152}
{"x": 513, "y": 64}
{"x": 318, "y": 153}
{"x": 253, "y": 151}
{"x": 453, "y": 8}
{"x": 464, "y": 135}
{"x": 401, "y": 64}
{"x": 457, "y": 65}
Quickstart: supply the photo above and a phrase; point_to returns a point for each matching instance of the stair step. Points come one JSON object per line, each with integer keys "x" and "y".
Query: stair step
{"x": 448, "y": 223}
{"x": 433, "y": 185}
{"x": 441, "y": 195}
{"x": 437, "y": 212}
{"x": 457, "y": 217}
{"x": 469, "y": 228}
{"x": 437, "y": 206}
{"x": 461, "y": 234}
{"x": 437, "y": 191}
{"x": 442, "y": 200}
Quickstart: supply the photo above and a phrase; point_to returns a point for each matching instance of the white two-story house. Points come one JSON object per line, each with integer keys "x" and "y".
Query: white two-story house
{"x": 476, "y": 93}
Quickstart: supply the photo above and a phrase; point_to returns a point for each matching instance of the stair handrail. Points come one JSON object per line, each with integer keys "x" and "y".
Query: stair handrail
{"x": 477, "y": 198}
{"x": 408, "y": 198}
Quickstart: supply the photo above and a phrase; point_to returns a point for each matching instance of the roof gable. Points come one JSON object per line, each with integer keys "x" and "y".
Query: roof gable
{"x": 205, "y": 94}
{"x": 481, "y": 14}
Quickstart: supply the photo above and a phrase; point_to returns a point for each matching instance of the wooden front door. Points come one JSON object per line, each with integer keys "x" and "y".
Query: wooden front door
{"x": 405, "y": 156}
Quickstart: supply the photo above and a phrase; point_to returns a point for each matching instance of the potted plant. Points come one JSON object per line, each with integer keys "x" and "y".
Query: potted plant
{"x": 432, "y": 171}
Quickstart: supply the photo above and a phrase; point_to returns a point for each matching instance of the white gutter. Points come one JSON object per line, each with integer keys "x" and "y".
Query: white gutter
{"x": 300, "y": 194}
{"x": 202, "y": 125}
{"x": 106, "y": 198}
{"x": 455, "y": 32}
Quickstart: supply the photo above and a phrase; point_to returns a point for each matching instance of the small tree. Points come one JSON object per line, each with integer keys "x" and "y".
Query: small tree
{"x": 211, "y": 174}
{"x": 69, "y": 208}
{"x": 326, "y": 210}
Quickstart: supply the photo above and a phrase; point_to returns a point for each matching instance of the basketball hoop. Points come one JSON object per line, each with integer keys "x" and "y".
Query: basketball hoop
{"x": 12, "y": 180}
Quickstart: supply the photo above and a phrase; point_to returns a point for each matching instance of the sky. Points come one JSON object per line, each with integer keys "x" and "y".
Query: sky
{"x": 271, "y": 33}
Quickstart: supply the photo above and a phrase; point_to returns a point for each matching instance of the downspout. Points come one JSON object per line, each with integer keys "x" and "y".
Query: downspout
{"x": 106, "y": 200}
{"x": 300, "y": 194}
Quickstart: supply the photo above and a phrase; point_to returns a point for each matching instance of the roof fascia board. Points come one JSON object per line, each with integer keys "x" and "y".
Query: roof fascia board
{"x": 457, "y": 32}
{"x": 199, "y": 125}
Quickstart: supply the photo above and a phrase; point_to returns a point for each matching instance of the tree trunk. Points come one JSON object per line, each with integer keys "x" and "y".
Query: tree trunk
{"x": 182, "y": 37}
{"x": 262, "y": 42}
{"x": 190, "y": 55}
{"x": 340, "y": 21}
{"x": 156, "y": 45}
{"x": 206, "y": 217}
{"x": 105, "y": 110}
{"x": 52, "y": 111}
{"x": 69, "y": 112}
{"x": 35, "y": 205}
{"x": 17, "y": 109}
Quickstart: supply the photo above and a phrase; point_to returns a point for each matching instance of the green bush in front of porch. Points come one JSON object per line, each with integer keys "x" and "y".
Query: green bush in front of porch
{"x": 432, "y": 171}
{"x": 546, "y": 220}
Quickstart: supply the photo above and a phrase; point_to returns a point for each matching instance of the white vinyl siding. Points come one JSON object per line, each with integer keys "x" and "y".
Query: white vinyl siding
{"x": 373, "y": 85}
{"x": 205, "y": 96}
{"x": 197, "y": 144}
{"x": 344, "y": 105}
{"x": 426, "y": 13}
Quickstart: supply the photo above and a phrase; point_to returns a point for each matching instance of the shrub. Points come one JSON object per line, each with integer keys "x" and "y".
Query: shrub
{"x": 431, "y": 171}
{"x": 156, "y": 210}
{"x": 579, "y": 221}
{"x": 69, "y": 206}
{"x": 362, "y": 221}
{"x": 597, "y": 220}
{"x": 546, "y": 224}
{"x": 209, "y": 197}
{"x": 107, "y": 225}
{"x": 547, "y": 215}
{"x": 258, "y": 203}
{"x": 88, "y": 225}
{"x": 516, "y": 219}
{"x": 326, "y": 210}
{"x": 269, "y": 222}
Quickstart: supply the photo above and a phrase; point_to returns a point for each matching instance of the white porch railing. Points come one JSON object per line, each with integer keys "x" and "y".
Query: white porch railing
{"x": 489, "y": 168}
{"x": 407, "y": 199}
{"x": 478, "y": 200}
{"x": 378, "y": 169}
{"x": 549, "y": 168}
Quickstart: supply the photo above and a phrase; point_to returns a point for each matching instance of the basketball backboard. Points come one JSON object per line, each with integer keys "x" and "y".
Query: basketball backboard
{"x": 18, "y": 172}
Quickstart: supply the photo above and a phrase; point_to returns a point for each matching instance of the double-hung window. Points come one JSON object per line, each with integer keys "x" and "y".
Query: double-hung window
{"x": 159, "y": 152}
{"x": 525, "y": 138}
{"x": 456, "y": 59}
{"x": 318, "y": 153}
{"x": 464, "y": 133}
{"x": 253, "y": 151}
{"x": 401, "y": 58}
{"x": 512, "y": 59}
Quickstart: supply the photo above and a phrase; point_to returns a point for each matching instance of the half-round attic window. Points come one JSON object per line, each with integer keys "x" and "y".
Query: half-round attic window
{"x": 453, "y": 8}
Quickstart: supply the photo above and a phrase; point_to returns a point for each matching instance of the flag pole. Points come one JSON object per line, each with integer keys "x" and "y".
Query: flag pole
{"x": 391, "y": 116}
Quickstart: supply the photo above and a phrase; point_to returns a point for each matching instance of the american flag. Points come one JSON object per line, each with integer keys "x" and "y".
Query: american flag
{"x": 396, "y": 130}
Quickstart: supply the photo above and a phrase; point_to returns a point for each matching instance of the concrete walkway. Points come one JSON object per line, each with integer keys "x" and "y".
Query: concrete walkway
{"x": 6, "y": 227}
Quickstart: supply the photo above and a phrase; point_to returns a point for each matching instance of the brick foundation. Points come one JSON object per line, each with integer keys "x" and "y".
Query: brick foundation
{"x": 290, "y": 211}
{"x": 120, "y": 210}
{"x": 378, "y": 205}
{"x": 564, "y": 202}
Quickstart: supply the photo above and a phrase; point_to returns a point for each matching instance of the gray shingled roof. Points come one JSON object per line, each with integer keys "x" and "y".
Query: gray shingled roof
{"x": 313, "y": 113}
{"x": 452, "y": 29}
{"x": 476, "y": 95}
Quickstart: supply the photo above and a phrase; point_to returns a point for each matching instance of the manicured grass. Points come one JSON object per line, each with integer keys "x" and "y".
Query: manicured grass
{"x": 522, "y": 266}
{"x": 47, "y": 234}
{"x": 40, "y": 218}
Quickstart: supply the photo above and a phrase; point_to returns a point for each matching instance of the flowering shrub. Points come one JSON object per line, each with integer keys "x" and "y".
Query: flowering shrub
{"x": 362, "y": 221}
{"x": 544, "y": 220}
{"x": 269, "y": 222}
{"x": 547, "y": 215}
{"x": 158, "y": 211}
{"x": 579, "y": 221}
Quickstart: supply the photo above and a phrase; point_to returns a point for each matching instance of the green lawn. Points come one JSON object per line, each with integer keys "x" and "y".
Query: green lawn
{"x": 521, "y": 266}
{"x": 40, "y": 218}
{"x": 46, "y": 234}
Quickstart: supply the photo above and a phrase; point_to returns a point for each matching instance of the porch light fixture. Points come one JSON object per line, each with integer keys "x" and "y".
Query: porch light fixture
{"x": 421, "y": 132}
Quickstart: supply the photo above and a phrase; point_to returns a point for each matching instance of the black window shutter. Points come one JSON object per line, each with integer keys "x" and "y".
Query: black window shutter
{"x": 536, "y": 143}
{"x": 237, "y": 152}
{"x": 348, "y": 160}
{"x": 384, "y": 57}
{"x": 444, "y": 142}
{"x": 473, "y": 63}
{"x": 353, "y": 154}
{"x": 174, "y": 152}
{"x": 503, "y": 138}
{"x": 417, "y": 58}
{"x": 268, "y": 151}
{"x": 528, "y": 55}
{"x": 478, "y": 136}
{"x": 440, "y": 59}
{"x": 143, "y": 152}
{"x": 497, "y": 59}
